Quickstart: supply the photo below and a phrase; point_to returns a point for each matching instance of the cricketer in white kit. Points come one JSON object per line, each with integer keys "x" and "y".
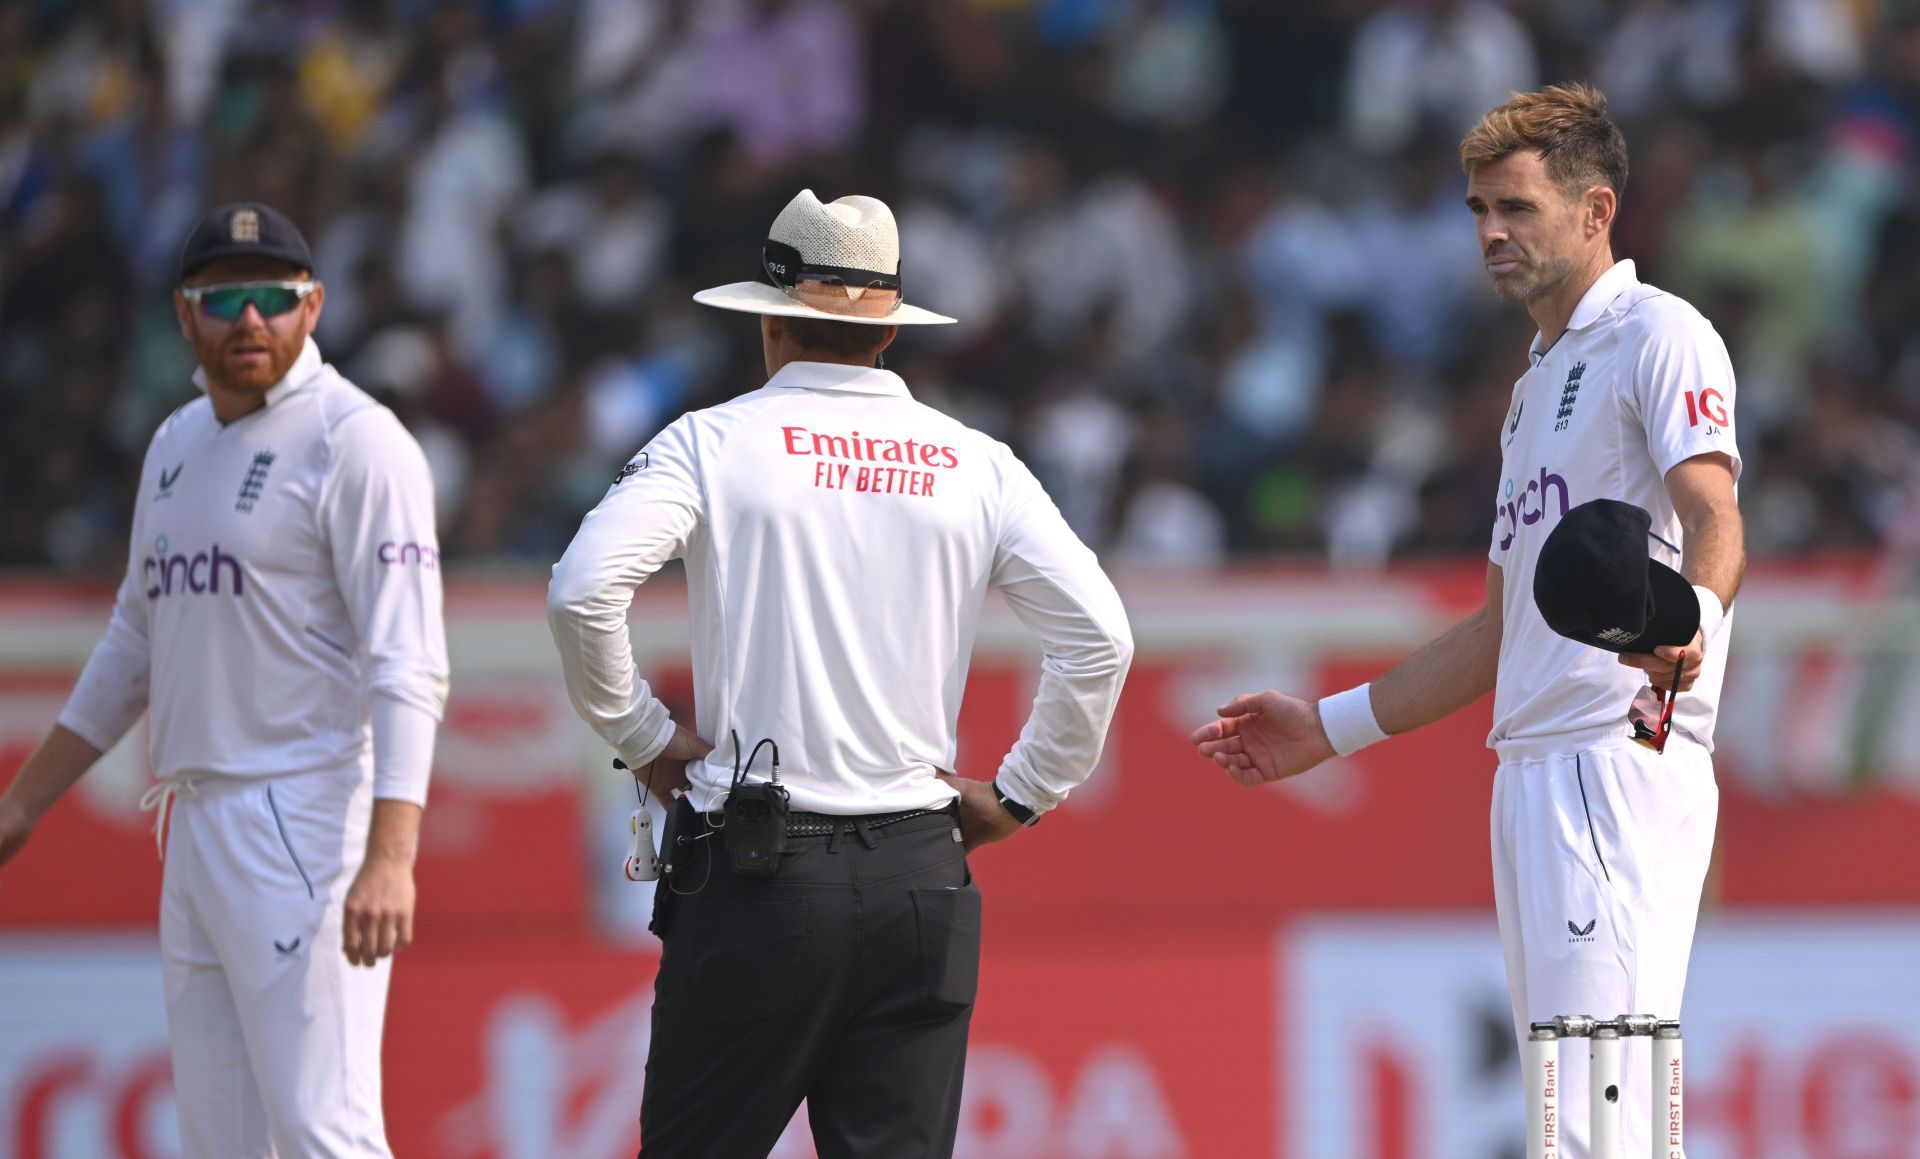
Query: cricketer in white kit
{"x": 280, "y": 624}
{"x": 1600, "y": 845}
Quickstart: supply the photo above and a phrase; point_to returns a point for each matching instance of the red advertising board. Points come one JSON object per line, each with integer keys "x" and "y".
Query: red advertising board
{"x": 1383, "y": 1036}
{"x": 1175, "y": 965}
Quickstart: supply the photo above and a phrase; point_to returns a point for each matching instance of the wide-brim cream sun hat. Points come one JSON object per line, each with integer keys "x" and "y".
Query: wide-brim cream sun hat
{"x": 838, "y": 261}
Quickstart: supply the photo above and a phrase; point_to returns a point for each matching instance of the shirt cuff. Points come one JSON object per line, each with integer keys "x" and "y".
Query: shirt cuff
{"x": 108, "y": 698}
{"x": 1021, "y": 790}
{"x": 403, "y": 735}
{"x": 641, "y": 757}
{"x": 100, "y": 738}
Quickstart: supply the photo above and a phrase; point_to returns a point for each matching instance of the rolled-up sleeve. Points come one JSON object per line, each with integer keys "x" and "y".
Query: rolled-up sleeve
{"x": 112, "y": 690}
{"x": 377, "y": 504}
{"x": 1057, "y": 589}
{"x": 650, "y": 514}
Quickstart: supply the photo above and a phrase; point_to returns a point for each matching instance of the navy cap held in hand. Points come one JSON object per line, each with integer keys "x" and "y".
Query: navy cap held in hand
{"x": 1595, "y": 582}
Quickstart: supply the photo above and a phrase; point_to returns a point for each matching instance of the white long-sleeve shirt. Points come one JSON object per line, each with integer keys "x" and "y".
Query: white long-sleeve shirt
{"x": 839, "y": 539}
{"x": 282, "y": 595}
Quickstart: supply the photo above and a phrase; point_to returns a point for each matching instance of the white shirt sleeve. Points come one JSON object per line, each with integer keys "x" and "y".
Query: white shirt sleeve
{"x": 377, "y": 507}
{"x": 112, "y": 690}
{"x": 403, "y": 735}
{"x": 1057, "y": 589}
{"x": 1682, "y": 382}
{"x": 650, "y": 514}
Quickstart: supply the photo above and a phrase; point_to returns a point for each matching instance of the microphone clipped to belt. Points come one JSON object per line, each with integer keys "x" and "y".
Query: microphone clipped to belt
{"x": 754, "y": 816}
{"x": 753, "y": 822}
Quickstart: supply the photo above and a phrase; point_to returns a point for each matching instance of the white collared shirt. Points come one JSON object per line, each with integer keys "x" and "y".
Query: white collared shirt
{"x": 839, "y": 538}
{"x": 1639, "y": 383}
{"x": 283, "y": 570}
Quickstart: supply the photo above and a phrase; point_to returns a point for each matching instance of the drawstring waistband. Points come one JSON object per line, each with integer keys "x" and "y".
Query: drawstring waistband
{"x": 160, "y": 796}
{"x": 1610, "y": 735}
{"x": 1602, "y": 736}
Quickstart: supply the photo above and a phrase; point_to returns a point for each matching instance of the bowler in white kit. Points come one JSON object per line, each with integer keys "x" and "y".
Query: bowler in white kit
{"x": 1600, "y": 844}
{"x": 280, "y": 624}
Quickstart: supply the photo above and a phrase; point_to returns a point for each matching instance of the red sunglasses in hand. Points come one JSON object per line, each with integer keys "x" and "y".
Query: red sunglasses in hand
{"x": 1657, "y": 740}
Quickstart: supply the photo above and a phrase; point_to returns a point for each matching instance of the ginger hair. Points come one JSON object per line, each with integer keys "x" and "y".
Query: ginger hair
{"x": 1567, "y": 124}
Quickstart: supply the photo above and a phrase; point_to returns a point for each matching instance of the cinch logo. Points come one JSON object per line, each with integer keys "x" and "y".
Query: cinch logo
{"x": 402, "y": 554}
{"x": 198, "y": 573}
{"x": 1524, "y": 507}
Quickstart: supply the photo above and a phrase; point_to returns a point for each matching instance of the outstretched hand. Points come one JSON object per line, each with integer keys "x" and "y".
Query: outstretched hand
{"x": 1264, "y": 736}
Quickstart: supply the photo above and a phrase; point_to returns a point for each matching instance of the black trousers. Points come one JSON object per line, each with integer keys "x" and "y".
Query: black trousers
{"x": 846, "y": 979}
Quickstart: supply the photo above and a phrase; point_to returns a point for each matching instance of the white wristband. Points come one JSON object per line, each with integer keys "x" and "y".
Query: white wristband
{"x": 1712, "y": 614}
{"x": 1349, "y": 720}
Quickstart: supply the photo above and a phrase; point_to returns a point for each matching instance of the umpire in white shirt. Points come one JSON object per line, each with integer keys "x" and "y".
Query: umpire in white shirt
{"x": 839, "y": 538}
{"x": 280, "y": 625}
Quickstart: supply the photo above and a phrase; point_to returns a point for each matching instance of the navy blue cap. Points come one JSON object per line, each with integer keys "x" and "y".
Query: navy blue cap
{"x": 1596, "y": 582}
{"x": 244, "y": 229}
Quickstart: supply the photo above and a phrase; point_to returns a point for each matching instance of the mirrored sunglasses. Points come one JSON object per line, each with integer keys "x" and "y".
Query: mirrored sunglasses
{"x": 228, "y": 300}
{"x": 837, "y": 296}
{"x": 832, "y": 289}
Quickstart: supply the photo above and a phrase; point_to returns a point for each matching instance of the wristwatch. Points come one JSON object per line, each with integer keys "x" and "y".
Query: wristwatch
{"x": 1014, "y": 808}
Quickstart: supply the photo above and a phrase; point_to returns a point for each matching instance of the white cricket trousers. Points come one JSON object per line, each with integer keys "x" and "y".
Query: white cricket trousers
{"x": 276, "y": 1038}
{"x": 1600, "y": 852}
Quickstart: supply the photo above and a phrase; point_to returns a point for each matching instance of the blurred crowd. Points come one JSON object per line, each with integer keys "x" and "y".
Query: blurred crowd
{"x": 1215, "y": 279}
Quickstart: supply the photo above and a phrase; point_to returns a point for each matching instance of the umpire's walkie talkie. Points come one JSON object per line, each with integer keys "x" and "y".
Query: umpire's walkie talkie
{"x": 756, "y": 817}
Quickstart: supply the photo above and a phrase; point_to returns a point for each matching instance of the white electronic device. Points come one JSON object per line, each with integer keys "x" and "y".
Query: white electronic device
{"x": 642, "y": 862}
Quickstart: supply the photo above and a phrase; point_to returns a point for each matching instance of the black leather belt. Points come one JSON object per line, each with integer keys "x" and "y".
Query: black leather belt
{"x": 820, "y": 824}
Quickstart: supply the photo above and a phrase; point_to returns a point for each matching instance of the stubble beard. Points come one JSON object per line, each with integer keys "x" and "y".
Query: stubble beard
{"x": 1534, "y": 279}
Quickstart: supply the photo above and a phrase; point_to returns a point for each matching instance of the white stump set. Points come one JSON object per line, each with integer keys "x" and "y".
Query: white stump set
{"x": 1604, "y": 1041}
